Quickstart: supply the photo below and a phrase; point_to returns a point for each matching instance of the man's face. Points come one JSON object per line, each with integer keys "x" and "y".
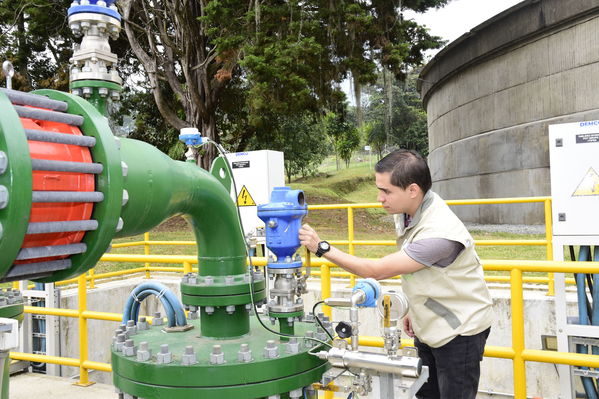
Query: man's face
{"x": 394, "y": 199}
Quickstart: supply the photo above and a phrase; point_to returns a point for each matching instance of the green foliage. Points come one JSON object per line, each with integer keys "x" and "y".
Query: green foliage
{"x": 408, "y": 123}
{"x": 303, "y": 142}
{"x": 34, "y": 36}
{"x": 344, "y": 135}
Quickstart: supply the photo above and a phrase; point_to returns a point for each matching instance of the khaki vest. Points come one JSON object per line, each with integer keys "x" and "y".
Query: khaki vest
{"x": 444, "y": 301}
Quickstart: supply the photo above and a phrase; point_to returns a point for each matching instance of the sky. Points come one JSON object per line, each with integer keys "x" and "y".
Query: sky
{"x": 451, "y": 22}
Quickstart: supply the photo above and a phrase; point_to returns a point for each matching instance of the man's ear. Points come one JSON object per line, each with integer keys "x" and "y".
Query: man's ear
{"x": 414, "y": 190}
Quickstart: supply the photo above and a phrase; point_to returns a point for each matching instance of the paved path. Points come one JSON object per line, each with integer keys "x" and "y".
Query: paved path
{"x": 41, "y": 386}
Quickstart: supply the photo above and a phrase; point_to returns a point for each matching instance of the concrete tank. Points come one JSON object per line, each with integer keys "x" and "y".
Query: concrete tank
{"x": 491, "y": 94}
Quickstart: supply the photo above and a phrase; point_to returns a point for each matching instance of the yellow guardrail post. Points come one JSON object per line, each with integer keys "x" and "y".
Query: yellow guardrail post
{"x": 92, "y": 280}
{"x": 517, "y": 307}
{"x": 325, "y": 288}
{"x": 83, "y": 350}
{"x": 549, "y": 238}
{"x": 186, "y": 267}
{"x": 350, "y": 239}
{"x": 147, "y": 252}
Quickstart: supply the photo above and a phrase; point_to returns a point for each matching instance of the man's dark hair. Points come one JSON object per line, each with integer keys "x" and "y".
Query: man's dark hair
{"x": 406, "y": 167}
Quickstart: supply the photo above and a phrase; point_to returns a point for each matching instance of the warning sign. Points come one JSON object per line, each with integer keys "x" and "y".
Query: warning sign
{"x": 244, "y": 198}
{"x": 589, "y": 185}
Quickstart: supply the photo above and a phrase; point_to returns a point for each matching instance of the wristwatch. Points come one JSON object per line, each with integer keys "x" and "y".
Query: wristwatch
{"x": 323, "y": 248}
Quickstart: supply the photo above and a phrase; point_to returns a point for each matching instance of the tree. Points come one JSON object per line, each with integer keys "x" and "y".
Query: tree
{"x": 35, "y": 37}
{"x": 303, "y": 141}
{"x": 287, "y": 57}
{"x": 344, "y": 135}
{"x": 406, "y": 125}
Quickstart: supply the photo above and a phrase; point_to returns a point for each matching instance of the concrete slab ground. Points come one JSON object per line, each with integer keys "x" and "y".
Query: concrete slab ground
{"x": 33, "y": 385}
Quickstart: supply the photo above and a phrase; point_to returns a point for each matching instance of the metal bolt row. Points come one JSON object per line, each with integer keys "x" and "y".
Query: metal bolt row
{"x": 10, "y": 296}
{"x": 194, "y": 279}
{"x": 189, "y": 357}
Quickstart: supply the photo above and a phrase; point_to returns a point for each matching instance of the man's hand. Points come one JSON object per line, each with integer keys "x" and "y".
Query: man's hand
{"x": 407, "y": 327}
{"x": 309, "y": 238}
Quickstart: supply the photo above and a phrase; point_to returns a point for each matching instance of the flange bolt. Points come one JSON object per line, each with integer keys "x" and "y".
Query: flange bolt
{"x": 143, "y": 353}
{"x": 189, "y": 356}
{"x": 217, "y": 356}
{"x": 157, "y": 321}
{"x": 165, "y": 356}
{"x": 245, "y": 353}
{"x": 271, "y": 350}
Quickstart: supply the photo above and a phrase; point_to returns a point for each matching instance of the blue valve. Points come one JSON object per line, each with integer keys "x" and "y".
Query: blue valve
{"x": 191, "y": 136}
{"x": 94, "y": 8}
{"x": 283, "y": 218}
{"x": 371, "y": 289}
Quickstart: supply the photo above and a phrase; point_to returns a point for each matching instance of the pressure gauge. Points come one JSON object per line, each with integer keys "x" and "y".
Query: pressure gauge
{"x": 398, "y": 305}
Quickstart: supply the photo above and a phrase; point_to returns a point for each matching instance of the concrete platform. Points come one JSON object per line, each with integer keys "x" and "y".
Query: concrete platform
{"x": 33, "y": 385}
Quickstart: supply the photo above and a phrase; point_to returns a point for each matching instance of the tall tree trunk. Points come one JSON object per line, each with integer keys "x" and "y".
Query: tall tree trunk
{"x": 388, "y": 83}
{"x": 358, "y": 99}
{"x": 210, "y": 151}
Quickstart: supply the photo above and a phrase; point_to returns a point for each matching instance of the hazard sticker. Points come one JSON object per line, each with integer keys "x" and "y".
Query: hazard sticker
{"x": 244, "y": 198}
{"x": 589, "y": 185}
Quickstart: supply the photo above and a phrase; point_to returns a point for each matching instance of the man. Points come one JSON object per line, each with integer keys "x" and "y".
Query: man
{"x": 450, "y": 306}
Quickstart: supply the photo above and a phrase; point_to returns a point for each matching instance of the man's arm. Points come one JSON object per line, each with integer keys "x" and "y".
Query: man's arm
{"x": 379, "y": 269}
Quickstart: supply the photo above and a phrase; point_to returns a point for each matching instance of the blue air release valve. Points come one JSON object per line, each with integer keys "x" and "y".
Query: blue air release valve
{"x": 283, "y": 219}
{"x": 371, "y": 289}
{"x": 190, "y": 136}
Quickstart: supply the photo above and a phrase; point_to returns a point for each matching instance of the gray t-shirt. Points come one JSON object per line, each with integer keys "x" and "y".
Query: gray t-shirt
{"x": 439, "y": 252}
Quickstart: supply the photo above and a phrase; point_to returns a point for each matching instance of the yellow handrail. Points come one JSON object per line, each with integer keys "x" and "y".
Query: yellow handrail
{"x": 517, "y": 353}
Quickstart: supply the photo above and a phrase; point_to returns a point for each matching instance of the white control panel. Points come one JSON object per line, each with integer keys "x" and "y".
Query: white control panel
{"x": 574, "y": 161}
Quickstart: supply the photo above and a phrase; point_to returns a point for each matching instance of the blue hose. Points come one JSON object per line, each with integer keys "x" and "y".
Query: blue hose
{"x": 172, "y": 305}
{"x": 584, "y": 255}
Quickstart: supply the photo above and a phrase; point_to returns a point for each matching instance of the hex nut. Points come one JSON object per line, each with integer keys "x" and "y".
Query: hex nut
{"x": 271, "y": 350}
{"x": 164, "y": 356}
{"x": 229, "y": 280}
{"x": 125, "y": 197}
{"x": 230, "y": 309}
{"x": 143, "y": 352}
{"x": 244, "y": 355}
{"x": 129, "y": 348}
{"x": 217, "y": 356}
{"x": 296, "y": 393}
{"x": 157, "y": 320}
{"x": 209, "y": 310}
{"x": 208, "y": 280}
{"x": 124, "y": 166}
{"x": 193, "y": 315}
{"x": 142, "y": 324}
{"x": 292, "y": 346}
{"x": 3, "y": 162}
{"x": 189, "y": 357}
{"x": 3, "y": 197}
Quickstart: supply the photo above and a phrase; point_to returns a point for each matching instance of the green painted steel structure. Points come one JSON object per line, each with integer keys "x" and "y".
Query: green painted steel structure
{"x": 17, "y": 181}
{"x": 261, "y": 377}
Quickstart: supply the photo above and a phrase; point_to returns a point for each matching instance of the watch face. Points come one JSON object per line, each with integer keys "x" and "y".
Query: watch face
{"x": 324, "y": 245}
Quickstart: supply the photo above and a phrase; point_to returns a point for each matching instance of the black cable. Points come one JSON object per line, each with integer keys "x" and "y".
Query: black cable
{"x": 318, "y": 319}
{"x": 222, "y": 151}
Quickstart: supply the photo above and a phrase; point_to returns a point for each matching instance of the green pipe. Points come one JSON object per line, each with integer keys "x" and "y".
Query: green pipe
{"x": 159, "y": 187}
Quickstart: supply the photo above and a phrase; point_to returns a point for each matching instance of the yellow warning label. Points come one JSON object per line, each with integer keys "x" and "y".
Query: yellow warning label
{"x": 589, "y": 185}
{"x": 244, "y": 198}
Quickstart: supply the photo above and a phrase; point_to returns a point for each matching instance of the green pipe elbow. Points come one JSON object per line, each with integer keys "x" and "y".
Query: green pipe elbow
{"x": 158, "y": 187}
